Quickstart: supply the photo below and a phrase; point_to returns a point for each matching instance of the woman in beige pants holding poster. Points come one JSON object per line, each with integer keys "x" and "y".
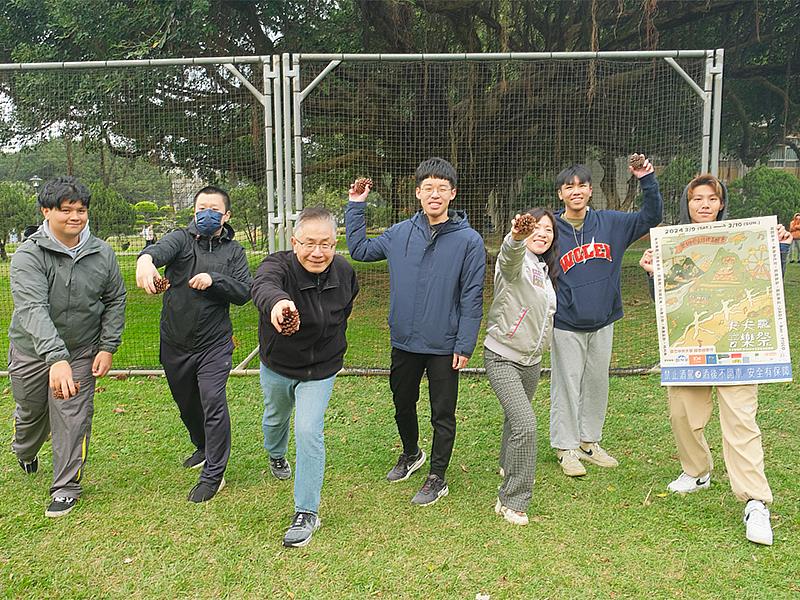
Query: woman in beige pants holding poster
{"x": 705, "y": 200}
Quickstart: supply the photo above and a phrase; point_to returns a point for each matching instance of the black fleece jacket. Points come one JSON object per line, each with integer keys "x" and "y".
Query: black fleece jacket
{"x": 324, "y": 302}
{"x": 193, "y": 320}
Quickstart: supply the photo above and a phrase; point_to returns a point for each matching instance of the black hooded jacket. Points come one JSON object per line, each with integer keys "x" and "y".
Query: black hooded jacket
{"x": 192, "y": 320}
{"x": 324, "y": 302}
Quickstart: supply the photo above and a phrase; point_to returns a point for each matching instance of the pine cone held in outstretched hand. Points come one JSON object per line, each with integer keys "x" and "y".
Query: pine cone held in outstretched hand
{"x": 161, "y": 284}
{"x": 525, "y": 224}
{"x": 637, "y": 161}
{"x": 291, "y": 321}
{"x": 361, "y": 184}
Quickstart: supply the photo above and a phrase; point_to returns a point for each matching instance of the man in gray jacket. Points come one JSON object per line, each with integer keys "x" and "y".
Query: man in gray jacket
{"x": 69, "y": 312}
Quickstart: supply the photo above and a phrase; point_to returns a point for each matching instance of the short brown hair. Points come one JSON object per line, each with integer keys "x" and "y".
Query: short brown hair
{"x": 706, "y": 179}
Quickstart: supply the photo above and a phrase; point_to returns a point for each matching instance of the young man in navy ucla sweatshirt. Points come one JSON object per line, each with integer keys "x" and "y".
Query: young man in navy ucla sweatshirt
{"x": 591, "y": 244}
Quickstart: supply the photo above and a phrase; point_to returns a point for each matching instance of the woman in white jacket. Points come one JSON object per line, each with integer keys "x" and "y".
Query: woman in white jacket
{"x": 520, "y": 325}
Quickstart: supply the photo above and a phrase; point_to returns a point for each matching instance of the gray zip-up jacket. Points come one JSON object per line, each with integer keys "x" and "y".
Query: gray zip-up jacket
{"x": 63, "y": 304}
{"x": 520, "y": 321}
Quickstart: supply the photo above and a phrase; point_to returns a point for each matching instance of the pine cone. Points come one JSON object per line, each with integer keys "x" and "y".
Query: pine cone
{"x": 361, "y": 184}
{"x": 291, "y": 321}
{"x": 58, "y": 394}
{"x": 161, "y": 283}
{"x": 637, "y": 161}
{"x": 525, "y": 224}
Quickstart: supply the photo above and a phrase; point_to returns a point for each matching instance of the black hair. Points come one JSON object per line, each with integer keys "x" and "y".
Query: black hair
{"x": 550, "y": 256}
{"x": 68, "y": 188}
{"x": 569, "y": 174}
{"x": 212, "y": 189}
{"x": 438, "y": 168}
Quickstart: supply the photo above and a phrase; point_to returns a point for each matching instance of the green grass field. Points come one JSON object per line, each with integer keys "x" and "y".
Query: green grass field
{"x": 612, "y": 534}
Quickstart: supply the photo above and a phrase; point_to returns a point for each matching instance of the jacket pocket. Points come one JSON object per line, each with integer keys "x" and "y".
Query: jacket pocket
{"x": 592, "y": 303}
{"x": 514, "y": 325}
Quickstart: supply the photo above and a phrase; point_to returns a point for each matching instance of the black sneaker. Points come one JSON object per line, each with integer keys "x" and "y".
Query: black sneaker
{"x": 29, "y": 467}
{"x": 280, "y": 468}
{"x": 434, "y": 488}
{"x": 196, "y": 460}
{"x": 406, "y": 465}
{"x": 302, "y": 528}
{"x": 203, "y": 492}
{"x": 60, "y": 506}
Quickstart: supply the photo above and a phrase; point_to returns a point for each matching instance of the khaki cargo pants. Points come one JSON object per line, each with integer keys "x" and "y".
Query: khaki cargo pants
{"x": 689, "y": 412}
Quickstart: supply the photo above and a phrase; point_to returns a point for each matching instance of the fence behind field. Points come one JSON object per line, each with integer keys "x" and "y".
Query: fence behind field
{"x": 283, "y": 132}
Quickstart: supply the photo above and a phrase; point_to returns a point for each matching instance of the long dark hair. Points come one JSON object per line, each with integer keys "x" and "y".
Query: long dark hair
{"x": 550, "y": 256}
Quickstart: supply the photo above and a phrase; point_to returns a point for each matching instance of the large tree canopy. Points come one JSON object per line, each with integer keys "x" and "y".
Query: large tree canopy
{"x": 762, "y": 61}
{"x": 205, "y": 123}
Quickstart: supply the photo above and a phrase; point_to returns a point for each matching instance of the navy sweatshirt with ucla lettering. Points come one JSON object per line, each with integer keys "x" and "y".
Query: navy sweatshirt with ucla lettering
{"x": 589, "y": 294}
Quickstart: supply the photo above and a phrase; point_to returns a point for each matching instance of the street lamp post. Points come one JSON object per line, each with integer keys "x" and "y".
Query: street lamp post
{"x": 35, "y": 180}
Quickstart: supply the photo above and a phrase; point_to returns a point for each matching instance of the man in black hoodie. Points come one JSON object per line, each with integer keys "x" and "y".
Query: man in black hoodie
{"x": 299, "y": 366}
{"x": 207, "y": 270}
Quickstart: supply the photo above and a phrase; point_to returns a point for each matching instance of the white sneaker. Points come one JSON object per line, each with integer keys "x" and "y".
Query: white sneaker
{"x": 510, "y": 515}
{"x": 594, "y": 454}
{"x": 686, "y": 484}
{"x": 756, "y": 520}
{"x": 570, "y": 463}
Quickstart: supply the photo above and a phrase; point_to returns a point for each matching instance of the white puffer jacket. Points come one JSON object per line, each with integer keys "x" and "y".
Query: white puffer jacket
{"x": 520, "y": 321}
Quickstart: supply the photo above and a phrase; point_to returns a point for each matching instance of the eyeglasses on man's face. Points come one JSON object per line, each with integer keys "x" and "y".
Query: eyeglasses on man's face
{"x": 427, "y": 190}
{"x": 311, "y": 246}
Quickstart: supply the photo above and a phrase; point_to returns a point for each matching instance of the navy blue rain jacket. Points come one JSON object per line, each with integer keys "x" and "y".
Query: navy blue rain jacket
{"x": 436, "y": 295}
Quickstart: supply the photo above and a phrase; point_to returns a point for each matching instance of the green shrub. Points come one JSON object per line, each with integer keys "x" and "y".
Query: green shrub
{"x": 764, "y": 191}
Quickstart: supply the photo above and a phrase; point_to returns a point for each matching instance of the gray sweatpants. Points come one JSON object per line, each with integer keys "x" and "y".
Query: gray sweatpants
{"x": 515, "y": 386}
{"x": 579, "y": 386}
{"x": 37, "y": 413}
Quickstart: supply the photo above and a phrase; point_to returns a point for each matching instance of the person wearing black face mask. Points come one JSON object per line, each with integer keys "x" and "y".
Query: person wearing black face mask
{"x": 207, "y": 271}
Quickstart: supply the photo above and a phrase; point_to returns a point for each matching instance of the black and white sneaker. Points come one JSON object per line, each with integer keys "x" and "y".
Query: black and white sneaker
{"x": 406, "y": 465}
{"x": 203, "y": 492}
{"x": 196, "y": 460}
{"x": 60, "y": 506}
{"x": 29, "y": 467}
{"x": 434, "y": 488}
{"x": 280, "y": 468}
{"x": 301, "y": 530}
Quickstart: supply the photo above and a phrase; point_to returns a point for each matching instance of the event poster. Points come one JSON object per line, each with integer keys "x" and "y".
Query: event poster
{"x": 719, "y": 303}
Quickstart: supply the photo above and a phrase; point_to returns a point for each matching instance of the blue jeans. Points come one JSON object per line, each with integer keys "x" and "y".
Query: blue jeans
{"x": 281, "y": 395}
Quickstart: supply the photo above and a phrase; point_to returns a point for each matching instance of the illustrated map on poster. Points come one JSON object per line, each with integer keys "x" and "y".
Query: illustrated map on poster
{"x": 719, "y": 303}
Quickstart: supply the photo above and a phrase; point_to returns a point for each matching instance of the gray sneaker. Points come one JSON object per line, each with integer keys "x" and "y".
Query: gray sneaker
{"x": 280, "y": 468}
{"x": 434, "y": 488}
{"x": 302, "y": 528}
{"x": 406, "y": 465}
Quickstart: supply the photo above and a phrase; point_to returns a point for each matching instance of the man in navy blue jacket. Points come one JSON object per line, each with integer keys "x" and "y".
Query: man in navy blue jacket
{"x": 592, "y": 244}
{"x": 436, "y": 268}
